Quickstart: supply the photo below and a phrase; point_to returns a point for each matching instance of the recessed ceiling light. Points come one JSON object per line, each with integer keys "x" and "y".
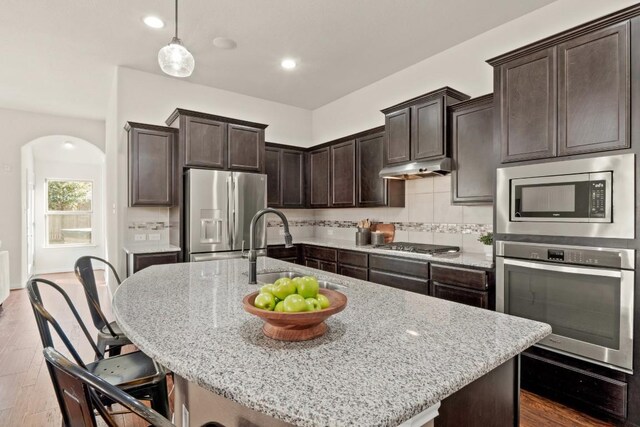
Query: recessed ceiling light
{"x": 153, "y": 22}
{"x": 224, "y": 43}
{"x": 288, "y": 64}
{"x": 69, "y": 145}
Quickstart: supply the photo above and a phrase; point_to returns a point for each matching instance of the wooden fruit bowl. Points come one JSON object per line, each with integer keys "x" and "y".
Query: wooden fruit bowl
{"x": 297, "y": 326}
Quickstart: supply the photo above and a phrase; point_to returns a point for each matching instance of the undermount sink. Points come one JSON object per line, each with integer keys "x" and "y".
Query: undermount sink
{"x": 266, "y": 278}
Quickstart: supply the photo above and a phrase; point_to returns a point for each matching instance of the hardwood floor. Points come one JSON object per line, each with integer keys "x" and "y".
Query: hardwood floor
{"x": 27, "y": 397}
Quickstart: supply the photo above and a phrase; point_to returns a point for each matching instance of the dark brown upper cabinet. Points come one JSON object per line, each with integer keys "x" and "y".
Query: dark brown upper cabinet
{"x": 272, "y": 169}
{"x": 318, "y": 178}
{"x": 566, "y": 94}
{"x": 372, "y": 190}
{"x": 398, "y": 136}
{"x": 343, "y": 174}
{"x": 528, "y": 109}
{"x": 472, "y": 151}
{"x": 416, "y": 129}
{"x": 246, "y": 148}
{"x": 593, "y": 91}
{"x": 216, "y": 142}
{"x": 284, "y": 166}
{"x": 152, "y": 154}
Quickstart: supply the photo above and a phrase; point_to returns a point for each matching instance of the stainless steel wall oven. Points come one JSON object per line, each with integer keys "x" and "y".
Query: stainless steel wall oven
{"x": 586, "y": 295}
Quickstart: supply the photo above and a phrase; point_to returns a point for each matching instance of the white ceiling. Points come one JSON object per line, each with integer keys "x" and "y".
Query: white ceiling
{"x": 58, "y": 56}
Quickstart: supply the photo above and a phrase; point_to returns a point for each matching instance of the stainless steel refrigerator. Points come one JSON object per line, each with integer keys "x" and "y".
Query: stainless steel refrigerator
{"x": 219, "y": 209}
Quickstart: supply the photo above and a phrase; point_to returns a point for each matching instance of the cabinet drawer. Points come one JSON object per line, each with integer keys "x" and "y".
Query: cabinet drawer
{"x": 461, "y": 295}
{"x": 358, "y": 259}
{"x": 280, "y": 252}
{"x": 585, "y": 390}
{"x": 323, "y": 254}
{"x": 399, "y": 265}
{"x": 465, "y": 277}
{"x": 399, "y": 281}
{"x": 312, "y": 263}
{"x": 142, "y": 261}
{"x": 355, "y": 272}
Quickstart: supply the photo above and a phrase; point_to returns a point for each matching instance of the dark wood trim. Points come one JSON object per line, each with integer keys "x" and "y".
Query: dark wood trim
{"x": 377, "y": 129}
{"x": 284, "y": 146}
{"x": 182, "y": 112}
{"x": 444, "y": 91}
{"x": 579, "y": 30}
{"x": 479, "y": 101}
{"x": 131, "y": 125}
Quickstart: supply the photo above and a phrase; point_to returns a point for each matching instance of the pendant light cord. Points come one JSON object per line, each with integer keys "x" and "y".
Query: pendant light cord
{"x": 176, "y": 18}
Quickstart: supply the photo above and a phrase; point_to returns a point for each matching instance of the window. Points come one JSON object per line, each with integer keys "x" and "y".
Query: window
{"x": 69, "y": 212}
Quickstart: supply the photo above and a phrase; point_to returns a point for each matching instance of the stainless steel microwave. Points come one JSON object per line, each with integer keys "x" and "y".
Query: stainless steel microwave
{"x": 592, "y": 197}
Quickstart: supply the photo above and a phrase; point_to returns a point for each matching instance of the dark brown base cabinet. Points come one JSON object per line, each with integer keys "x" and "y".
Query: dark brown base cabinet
{"x": 137, "y": 262}
{"x": 152, "y": 153}
{"x": 469, "y": 286}
{"x": 567, "y": 94}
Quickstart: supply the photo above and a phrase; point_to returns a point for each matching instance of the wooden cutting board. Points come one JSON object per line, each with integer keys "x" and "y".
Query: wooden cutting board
{"x": 389, "y": 231}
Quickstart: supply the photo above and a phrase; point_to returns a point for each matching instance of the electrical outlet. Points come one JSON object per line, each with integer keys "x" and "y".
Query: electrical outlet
{"x": 154, "y": 236}
{"x": 185, "y": 416}
{"x": 140, "y": 237}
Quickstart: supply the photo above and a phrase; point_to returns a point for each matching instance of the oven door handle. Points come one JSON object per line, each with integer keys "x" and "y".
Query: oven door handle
{"x": 602, "y": 272}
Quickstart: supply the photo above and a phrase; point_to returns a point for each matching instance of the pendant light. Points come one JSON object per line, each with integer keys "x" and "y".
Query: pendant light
{"x": 174, "y": 58}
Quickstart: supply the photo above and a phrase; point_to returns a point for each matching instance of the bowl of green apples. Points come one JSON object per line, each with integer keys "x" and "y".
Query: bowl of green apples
{"x": 294, "y": 309}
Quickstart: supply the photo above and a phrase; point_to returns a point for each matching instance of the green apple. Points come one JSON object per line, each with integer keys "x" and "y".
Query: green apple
{"x": 298, "y": 281}
{"x": 324, "y": 301}
{"x": 279, "y": 306}
{"x": 284, "y": 287}
{"x": 265, "y": 302}
{"x": 308, "y": 287}
{"x": 312, "y": 304}
{"x": 294, "y": 304}
{"x": 267, "y": 289}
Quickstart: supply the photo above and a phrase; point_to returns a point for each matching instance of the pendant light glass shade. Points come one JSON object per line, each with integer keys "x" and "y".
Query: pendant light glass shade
{"x": 176, "y": 60}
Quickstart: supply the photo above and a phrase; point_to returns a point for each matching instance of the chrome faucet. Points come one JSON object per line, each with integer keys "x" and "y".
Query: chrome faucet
{"x": 253, "y": 254}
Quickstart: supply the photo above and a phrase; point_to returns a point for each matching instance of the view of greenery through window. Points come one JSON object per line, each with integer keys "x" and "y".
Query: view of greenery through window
{"x": 69, "y": 208}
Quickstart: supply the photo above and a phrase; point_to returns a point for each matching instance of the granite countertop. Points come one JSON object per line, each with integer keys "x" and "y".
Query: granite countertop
{"x": 150, "y": 248}
{"x": 387, "y": 357}
{"x": 468, "y": 259}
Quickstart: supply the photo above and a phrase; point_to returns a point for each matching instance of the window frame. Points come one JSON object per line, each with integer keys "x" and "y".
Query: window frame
{"x": 48, "y": 213}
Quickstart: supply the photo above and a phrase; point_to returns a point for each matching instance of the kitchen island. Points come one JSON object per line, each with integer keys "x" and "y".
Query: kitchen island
{"x": 390, "y": 358}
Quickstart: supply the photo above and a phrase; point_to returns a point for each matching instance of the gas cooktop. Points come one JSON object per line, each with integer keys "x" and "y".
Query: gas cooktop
{"x": 419, "y": 248}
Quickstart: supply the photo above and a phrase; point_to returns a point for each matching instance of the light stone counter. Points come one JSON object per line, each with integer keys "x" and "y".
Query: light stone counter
{"x": 389, "y": 356}
{"x": 149, "y": 248}
{"x": 468, "y": 259}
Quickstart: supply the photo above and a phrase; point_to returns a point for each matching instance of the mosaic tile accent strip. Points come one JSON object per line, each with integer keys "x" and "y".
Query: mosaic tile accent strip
{"x": 400, "y": 226}
{"x": 151, "y": 225}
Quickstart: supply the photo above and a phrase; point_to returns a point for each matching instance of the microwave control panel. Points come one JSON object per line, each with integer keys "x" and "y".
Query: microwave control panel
{"x": 597, "y": 199}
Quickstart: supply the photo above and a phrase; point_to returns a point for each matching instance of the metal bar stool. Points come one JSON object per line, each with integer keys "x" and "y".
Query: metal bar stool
{"x": 82, "y": 391}
{"x": 109, "y": 333}
{"x": 136, "y": 373}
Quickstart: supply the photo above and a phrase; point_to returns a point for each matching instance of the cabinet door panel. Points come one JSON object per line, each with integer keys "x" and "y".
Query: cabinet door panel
{"x": 151, "y": 164}
{"x": 205, "y": 142}
{"x": 472, "y": 153}
{"x": 593, "y": 87}
{"x": 398, "y": 136}
{"x": 272, "y": 168}
{"x": 399, "y": 281}
{"x": 312, "y": 263}
{"x": 427, "y": 138}
{"x": 141, "y": 261}
{"x": 318, "y": 178}
{"x": 528, "y": 107}
{"x": 355, "y": 272}
{"x": 245, "y": 146}
{"x": 343, "y": 174}
{"x": 461, "y": 295}
{"x": 372, "y": 190}
{"x": 331, "y": 267}
{"x": 292, "y": 179}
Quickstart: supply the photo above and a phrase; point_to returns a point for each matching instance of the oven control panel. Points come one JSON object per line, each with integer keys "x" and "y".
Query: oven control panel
{"x": 592, "y": 257}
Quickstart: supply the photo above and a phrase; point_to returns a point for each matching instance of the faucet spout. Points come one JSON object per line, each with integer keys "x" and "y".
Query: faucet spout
{"x": 253, "y": 254}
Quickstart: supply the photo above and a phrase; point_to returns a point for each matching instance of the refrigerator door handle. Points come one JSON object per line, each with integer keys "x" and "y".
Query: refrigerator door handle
{"x": 230, "y": 219}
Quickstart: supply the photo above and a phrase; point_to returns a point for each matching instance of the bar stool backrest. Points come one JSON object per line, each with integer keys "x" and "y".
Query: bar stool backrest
{"x": 84, "y": 272}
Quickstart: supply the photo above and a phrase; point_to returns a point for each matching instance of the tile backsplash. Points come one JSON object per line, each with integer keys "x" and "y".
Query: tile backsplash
{"x": 428, "y": 217}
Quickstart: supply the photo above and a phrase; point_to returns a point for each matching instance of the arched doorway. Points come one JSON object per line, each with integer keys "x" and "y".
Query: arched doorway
{"x": 63, "y": 203}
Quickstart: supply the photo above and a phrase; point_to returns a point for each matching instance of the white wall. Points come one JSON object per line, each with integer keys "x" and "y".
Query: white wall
{"x": 61, "y": 259}
{"x": 19, "y": 128}
{"x": 462, "y": 67}
{"x": 149, "y": 98}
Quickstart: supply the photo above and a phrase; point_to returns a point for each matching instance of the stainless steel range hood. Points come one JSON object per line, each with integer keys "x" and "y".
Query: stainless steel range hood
{"x": 417, "y": 170}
